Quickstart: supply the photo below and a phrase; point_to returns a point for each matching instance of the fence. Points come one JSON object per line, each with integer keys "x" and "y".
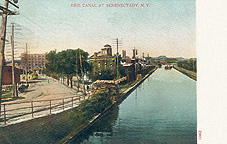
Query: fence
{"x": 20, "y": 111}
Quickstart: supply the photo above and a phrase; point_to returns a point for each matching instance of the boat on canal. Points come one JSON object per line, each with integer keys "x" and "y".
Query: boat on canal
{"x": 168, "y": 67}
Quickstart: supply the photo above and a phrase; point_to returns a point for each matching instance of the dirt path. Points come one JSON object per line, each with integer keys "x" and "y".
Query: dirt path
{"x": 40, "y": 89}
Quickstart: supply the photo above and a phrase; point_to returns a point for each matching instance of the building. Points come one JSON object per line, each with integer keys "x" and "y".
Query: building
{"x": 103, "y": 59}
{"x": 7, "y": 75}
{"x": 104, "y": 64}
{"x": 33, "y": 61}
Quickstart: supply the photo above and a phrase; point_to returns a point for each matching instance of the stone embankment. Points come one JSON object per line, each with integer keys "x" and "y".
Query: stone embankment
{"x": 188, "y": 73}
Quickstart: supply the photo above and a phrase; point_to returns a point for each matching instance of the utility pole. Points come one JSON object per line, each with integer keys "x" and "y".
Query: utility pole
{"x": 134, "y": 55}
{"x": 78, "y": 84}
{"x": 117, "y": 61}
{"x": 14, "y": 83}
{"x": 2, "y": 46}
{"x": 82, "y": 73}
{"x": 26, "y": 63}
{"x": 5, "y": 13}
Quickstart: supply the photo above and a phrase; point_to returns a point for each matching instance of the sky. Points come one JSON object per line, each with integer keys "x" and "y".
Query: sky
{"x": 166, "y": 27}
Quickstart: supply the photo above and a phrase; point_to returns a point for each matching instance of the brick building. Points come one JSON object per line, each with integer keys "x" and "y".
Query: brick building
{"x": 33, "y": 61}
{"x": 103, "y": 59}
{"x": 7, "y": 75}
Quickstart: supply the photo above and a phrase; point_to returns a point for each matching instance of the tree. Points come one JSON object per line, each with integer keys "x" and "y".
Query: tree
{"x": 51, "y": 62}
{"x": 188, "y": 64}
{"x": 67, "y": 63}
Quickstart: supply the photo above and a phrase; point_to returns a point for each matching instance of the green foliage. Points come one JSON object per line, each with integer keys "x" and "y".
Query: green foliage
{"x": 188, "y": 64}
{"x": 67, "y": 62}
{"x": 122, "y": 71}
{"x": 108, "y": 72}
{"x": 51, "y": 61}
{"x": 89, "y": 108}
{"x": 171, "y": 60}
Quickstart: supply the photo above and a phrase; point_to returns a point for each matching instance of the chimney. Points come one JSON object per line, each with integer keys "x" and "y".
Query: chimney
{"x": 123, "y": 53}
{"x": 134, "y": 54}
{"x": 147, "y": 55}
{"x": 110, "y": 51}
{"x": 143, "y": 54}
{"x": 95, "y": 54}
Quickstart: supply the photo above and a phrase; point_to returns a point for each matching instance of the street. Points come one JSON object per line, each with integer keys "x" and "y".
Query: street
{"x": 40, "y": 92}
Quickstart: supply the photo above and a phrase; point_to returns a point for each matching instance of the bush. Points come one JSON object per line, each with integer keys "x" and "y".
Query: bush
{"x": 96, "y": 104}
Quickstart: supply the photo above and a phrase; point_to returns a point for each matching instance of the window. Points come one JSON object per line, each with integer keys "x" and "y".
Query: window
{"x": 105, "y": 64}
{"x": 99, "y": 64}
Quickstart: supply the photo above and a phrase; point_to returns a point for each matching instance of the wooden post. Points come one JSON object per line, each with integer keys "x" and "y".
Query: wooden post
{"x": 117, "y": 60}
{"x": 14, "y": 83}
{"x": 32, "y": 109}
{"x": 4, "y": 114}
{"x": 50, "y": 106}
{"x": 63, "y": 104}
{"x": 26, "y": 55}
{"x": 135, "y": 64}
{"x": 82, "y": 73}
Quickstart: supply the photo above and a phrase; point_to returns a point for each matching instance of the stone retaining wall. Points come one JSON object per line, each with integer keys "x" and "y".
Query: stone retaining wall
{"x": 190, "y": 74}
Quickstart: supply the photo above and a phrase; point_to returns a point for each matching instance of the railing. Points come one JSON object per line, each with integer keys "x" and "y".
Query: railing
{"x": 20, "y": 111}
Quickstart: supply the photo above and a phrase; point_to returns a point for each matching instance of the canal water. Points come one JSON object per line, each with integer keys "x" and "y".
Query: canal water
{"x": 161, "y": 110}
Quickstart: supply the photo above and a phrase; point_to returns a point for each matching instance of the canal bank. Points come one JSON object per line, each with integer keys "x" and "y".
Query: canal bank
{"x": 160, "y": 110}
{"x": 187, "y": 72}
{"x": 121, "y": 98}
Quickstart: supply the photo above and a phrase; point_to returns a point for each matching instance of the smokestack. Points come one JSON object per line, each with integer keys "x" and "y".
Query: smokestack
{"x": 134, "y": 54}
{"x": 123, "y": 53}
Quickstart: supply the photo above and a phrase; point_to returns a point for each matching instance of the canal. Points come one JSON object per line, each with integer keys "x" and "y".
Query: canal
{"x": 161, "y": 110}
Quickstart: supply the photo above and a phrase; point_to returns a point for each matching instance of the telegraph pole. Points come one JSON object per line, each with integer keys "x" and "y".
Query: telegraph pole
{"x": 117, "y": 61}
{"x": 78, "y": 84}
{"x": 14, "y": 83}
{"x": 2, "y": 46}
{"x": 5, "y": 13}
{"x": 26, "y": 63}
{"x": 117, "y": 55}
{"x": 134, "y": 55}
{"x": 82, "y": 73}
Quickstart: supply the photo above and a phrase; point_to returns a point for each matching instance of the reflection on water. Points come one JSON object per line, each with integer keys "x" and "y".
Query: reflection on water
{"x": 161, "y": 110}
{"x": 100, "y": 129}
